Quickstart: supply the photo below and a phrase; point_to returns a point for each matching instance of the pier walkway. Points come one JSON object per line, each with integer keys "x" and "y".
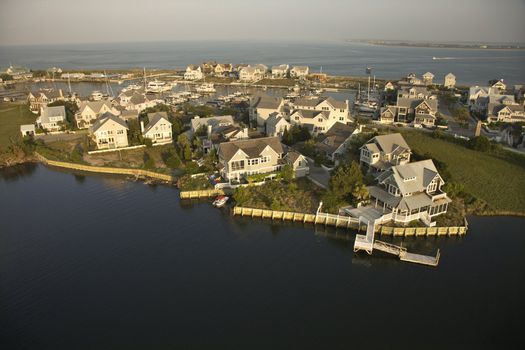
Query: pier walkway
{"x": 368, "y": 243}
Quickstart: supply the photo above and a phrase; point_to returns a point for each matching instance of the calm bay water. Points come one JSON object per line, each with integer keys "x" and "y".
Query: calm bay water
{"x": 92, "y": 262}
{"x": 337, "y": 58}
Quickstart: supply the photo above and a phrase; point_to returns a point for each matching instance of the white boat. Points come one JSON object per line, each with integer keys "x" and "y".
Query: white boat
{"x": 220, "y": 201}
{"x": 96, "y": 95}
{"x": 158, "y": 86}
{"x": 194, "y": 96}
{"x": 207, "y": 88}
{"x": 132, "y": 87}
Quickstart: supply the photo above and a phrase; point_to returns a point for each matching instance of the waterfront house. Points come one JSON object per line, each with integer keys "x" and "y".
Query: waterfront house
{"x": 499, "y": 85}
{"x": 335, "y": 141}
{"x": 262, "y": 106}
{"x": 408, "y": 192}
{"x": 267, "y": 155}
{"x": 428, "y": 78}
{"x": 477, "y": 92}
{"x": 52, "y": 118}
{"x": 253, "y": 73}
{"x": 27, "y": 130}
{"x": 42, "y": 98}
{"x": 299, "y": 71}
{"x": 208, "y": 68}
{"x": 450, "y": 81}
{"x": 280, "y": 71}
{"x": 89, "y": 111}
{"x": 339, "y": 111}
{"x": 223, "y": 69}
{"x": 389, "y": 86}
{"x": 139, "y": 102}
{"x": 384, "y": 151}
{"x": 276, "y": 124}
{"x": 109, "y": 132}
{"x": 317, "y": 122}
{"x": 412, "y": 78}
{"x": 158, "y": 129}
{"x": 193, "y": 72}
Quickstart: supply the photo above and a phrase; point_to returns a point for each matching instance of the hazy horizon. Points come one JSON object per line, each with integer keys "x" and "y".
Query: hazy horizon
{"x": 60, "y": 22}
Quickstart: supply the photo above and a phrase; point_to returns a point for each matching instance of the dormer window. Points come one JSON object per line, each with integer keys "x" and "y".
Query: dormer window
{"x": 409, "y": 179}
{"x": 432, "y": 187}
{"x": 393, "y": 190}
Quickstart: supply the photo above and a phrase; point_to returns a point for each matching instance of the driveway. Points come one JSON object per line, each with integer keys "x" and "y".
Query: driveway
{"x": 60, "y": 137}
{"x": 318, "y": 175}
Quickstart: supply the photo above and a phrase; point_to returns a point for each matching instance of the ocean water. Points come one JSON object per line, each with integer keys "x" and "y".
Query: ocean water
{"x": 98, "y": 262}
{"x": 333, "y": 57}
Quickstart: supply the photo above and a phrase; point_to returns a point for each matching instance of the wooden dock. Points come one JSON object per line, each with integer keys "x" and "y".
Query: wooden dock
{"x": 368, "y": 243}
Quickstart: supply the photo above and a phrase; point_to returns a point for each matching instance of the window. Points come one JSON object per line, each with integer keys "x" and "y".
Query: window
{"x": 237, "y": 165}
{"x": 120, "y": 132}
{"x": 433, "y": 186}
{"x": 320, "y": 120}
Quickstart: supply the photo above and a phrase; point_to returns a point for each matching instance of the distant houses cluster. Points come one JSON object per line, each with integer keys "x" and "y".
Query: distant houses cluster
{"x": 496, "y": 103}
{"x": 244, "y": 72}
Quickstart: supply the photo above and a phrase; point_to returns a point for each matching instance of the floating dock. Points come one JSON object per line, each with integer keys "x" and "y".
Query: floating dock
{"x": 368, "y": 243}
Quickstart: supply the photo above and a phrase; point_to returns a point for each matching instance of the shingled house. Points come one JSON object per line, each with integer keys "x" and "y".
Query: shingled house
{"x": 242, "y": 158}
{"x": 384, "y": 151}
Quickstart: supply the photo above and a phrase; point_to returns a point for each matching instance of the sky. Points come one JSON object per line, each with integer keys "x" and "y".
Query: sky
{"x": 28, "y": 22}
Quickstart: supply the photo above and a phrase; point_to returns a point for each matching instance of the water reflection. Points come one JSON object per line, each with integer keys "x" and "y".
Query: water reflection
{"x": 16, "y": 172}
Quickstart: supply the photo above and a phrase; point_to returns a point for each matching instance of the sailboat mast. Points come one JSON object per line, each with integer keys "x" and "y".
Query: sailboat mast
{"x": 69, "y": 83}
{"x": 368, "y": 92}
{"x": 144, "y": 79}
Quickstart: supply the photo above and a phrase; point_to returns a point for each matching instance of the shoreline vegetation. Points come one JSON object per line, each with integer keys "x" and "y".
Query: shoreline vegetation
{"x": 438, "y": 45}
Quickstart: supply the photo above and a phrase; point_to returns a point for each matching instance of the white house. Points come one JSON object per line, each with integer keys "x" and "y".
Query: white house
{"x": 109, "y": 132}
{"x": 280, "y": 71}
{"x": 27, "y": 129}
{"x": 428, "y": 78}
{"x": 52, "y": 118}
{"x": 262, "y": 106}
{"x": 299, "y": 71}
{"x": 276, "y": 124}
{"x": 89, "y": 111}
{"x": 384, "y": 151}
{"x": 450, "y": 81}
{"x": 193, "y": 72}
{"x": 158, "y": 129}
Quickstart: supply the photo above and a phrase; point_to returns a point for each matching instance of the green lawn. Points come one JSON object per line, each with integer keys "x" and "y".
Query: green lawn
{"x": 499, "y": 182}
{"x": 11, "y": 117}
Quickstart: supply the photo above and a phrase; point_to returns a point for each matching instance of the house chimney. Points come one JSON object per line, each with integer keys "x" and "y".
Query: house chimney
{"x": 142, "y": 126}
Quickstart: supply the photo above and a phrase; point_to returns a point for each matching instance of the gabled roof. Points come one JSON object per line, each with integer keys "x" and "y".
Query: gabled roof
{"x": 104, "y": 118}
{"x": 311, "y": 114}
{"x": 314, "y": 102}
{"x": 251, "y": 147}
{"x": 388, "y": 143}
{"x": 274, "y": 119}
{"x": 154, "y": 118}
{"x": 48, "y": 112}
{"x": 335, "y": 137}
{"x": 214, "y": 121}
{"x": 96, "y": 106}
{"x": 410, "y": 177}
{"x": 265, "y": 101}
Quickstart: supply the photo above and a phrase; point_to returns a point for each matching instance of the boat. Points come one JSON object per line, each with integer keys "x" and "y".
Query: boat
{"x": 220, "y": 201}
{"x": 131, "y": 87}
{"x": 158, "y": 86}
{"x": 96, "y": 95}
{"x": 207, "y": 88}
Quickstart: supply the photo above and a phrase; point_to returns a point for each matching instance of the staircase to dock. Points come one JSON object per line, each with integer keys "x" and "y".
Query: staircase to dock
{"x": 368, "y": 243}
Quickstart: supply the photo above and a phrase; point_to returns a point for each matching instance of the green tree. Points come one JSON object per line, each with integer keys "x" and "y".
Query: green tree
{"x": 287, "y": 173}
{"x": 346, "y": 181}
{"x": 149, "y": 162}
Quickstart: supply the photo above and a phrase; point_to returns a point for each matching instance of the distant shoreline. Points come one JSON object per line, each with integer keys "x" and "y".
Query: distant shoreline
{"x": 479, "y": 47}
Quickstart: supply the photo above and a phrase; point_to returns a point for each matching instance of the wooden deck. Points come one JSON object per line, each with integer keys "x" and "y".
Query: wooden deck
{"x": 368, "y": 243}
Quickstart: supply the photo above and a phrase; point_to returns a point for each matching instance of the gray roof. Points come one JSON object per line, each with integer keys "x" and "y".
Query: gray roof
{"x": 47, "y": 112}
{"x": 411, "y": 177}
{"x": 313, "y": 102}
{"x": 214, "y": 121}
{"x": 126, "y": 114}
{"x": 335, "y": 137}
{"x": 154, "y": 118}
{"x": 94, "y": 105}
{"x": 274, "y": 119}
{"x": 252, "y": 147}
{"x": 106, "y": 117}
{"x": 292, "y": 156}
{"x": 389, "y": 143}
{"x": 265, "y": 101}
{"x": 311, "y": 113}
{"x": 413, "y": 103}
